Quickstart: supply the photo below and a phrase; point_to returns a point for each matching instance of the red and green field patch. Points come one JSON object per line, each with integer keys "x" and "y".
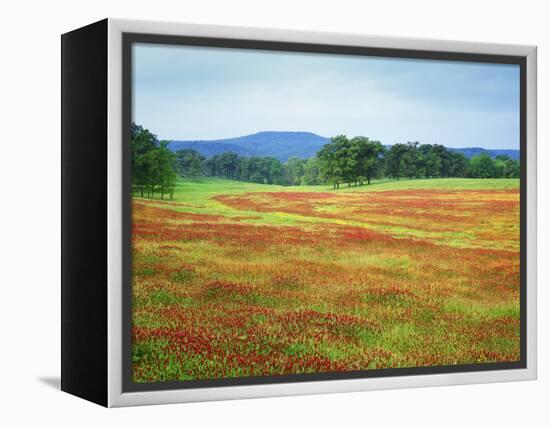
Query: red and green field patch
{"x": 234, "y": 279}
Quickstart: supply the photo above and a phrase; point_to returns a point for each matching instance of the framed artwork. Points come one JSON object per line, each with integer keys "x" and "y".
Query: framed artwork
{"x": 251, "y": 212}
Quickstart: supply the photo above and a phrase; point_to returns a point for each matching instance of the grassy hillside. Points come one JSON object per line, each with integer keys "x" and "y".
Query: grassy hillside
{"x": 237, "y": 279}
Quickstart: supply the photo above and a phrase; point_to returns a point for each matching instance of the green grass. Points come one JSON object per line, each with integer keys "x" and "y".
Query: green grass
{"x": 197, "y": 196}
{"x": 198, "y": 191}
{"x": 204, "y": 188}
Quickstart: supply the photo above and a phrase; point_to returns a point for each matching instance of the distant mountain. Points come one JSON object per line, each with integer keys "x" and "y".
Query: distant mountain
{"x": 470, "y": 152}
{"x": 211, "y": 148}
{"x": 283, "y": 145}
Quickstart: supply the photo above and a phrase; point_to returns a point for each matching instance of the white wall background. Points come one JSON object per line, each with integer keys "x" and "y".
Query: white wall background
{"x": 30, "y": 200}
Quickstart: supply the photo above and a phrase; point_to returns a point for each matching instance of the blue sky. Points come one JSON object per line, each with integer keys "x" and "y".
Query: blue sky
{"x": 212, "y": 93}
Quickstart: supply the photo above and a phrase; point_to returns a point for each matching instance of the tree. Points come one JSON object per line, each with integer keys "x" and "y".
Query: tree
{"x": 312, "y": 173}
{"x": 295, "y": 167}
{"x": 160, "y": 165}
{"x": 404, "y": 160}
{"x": 350, "y": 160}
{"x": 190, "y": 163}
{"x": 168, "y": 178}
{"x": 412, "y": 162}
{"x": 458, "y": 165}
{"x": 152, "y": 163}
{"x": 432, "y": 160}
{"x": 329, "y": 165}
{"x": 274, "y": 170}
{"x": 358, "y": 159}
{"x": 505, "y": 167}
{"x": 392, "y": 160}
{"x": 481, "y": 166}
{"x": 142, "y": 141}
{"x": 512, "y": 169}
{"x": 228, "y": 165}
{"x": 444, "y": 159}
{"x": 367, "y": 156}
{"x": 345, "y": 159}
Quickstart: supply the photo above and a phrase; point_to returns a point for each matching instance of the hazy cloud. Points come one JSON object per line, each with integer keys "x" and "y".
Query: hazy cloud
{"x": 209, "y": 93}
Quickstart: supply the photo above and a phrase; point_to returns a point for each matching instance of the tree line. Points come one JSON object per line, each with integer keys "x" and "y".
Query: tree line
{"x": 267, "y": 170}
{"x": 351, "y": 161}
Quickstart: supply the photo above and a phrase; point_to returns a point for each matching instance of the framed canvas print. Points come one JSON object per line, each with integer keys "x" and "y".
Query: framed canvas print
{"x": 251, "y": 212}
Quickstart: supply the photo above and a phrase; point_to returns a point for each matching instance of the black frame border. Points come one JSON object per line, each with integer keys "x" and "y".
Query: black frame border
{"x": 128, "y": 39}
{"x": 84, "y": 182}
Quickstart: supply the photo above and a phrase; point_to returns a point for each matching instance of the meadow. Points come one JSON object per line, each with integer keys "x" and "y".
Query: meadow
{"x": 236, "y": 279}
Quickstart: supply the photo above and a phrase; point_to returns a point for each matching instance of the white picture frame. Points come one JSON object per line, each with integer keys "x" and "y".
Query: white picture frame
{"x": 115, "y": 394}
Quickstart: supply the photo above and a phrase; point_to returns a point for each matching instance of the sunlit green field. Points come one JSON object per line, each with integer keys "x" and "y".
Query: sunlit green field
{"x": 238, "y": 279}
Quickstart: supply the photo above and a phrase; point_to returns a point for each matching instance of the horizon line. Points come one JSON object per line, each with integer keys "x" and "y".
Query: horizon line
{"x": 328, "y": 138}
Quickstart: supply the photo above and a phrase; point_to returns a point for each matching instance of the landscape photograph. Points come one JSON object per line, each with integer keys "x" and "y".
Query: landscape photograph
{"x": 301, "y": 213}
